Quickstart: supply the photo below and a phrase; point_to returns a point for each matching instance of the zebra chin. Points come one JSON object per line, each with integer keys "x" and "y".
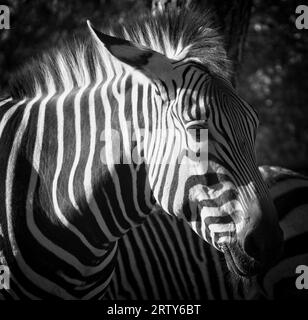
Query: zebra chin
{"x": 239, "y": 263}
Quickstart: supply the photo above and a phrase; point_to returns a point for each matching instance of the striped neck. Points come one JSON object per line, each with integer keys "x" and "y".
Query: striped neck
{"x": 70, "y": 142}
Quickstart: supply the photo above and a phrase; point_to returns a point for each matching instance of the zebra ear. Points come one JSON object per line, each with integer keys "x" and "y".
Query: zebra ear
{"x": 153, "y": 64}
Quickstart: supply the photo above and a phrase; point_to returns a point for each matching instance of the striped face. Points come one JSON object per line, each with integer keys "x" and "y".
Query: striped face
{"x": 219, "y": 191}
{"x": 199, "y": 152}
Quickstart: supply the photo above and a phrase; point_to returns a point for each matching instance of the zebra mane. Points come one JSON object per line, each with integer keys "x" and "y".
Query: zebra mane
{"x": 178, "y": 34}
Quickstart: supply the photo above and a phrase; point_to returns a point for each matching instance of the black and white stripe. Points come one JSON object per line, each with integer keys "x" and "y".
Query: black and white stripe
{"x": 290, "y": 193}
{"x": 63, "y": 208}
{"x": 163, "y": 258}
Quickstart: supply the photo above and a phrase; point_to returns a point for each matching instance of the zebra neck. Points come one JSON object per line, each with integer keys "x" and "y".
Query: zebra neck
{"x": 80, "y": 177}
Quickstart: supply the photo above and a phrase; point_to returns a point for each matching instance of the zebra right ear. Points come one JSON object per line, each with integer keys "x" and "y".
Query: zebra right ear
{"x": 153, "y": 64}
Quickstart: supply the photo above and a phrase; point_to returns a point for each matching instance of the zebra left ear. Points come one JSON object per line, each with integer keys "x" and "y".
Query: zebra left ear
{"x": 153, "y": 64}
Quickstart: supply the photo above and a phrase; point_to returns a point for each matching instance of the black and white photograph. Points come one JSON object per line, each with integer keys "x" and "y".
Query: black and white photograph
{"x": 154, "y": 154}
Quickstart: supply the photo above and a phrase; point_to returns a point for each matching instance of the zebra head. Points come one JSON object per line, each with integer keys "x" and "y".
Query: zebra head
{"x": 199, "y": 154}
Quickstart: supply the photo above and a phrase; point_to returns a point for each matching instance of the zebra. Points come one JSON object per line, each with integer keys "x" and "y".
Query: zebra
{"x": 163, "y": 259}
{"x": 68, "y": 197}
{"x": 289, "y": 191}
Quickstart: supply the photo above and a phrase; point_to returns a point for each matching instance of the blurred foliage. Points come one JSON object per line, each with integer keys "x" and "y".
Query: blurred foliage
{"x": 274, "y": 79}
{"x": 273, "y": 76}
{"x": 37, "y": 25}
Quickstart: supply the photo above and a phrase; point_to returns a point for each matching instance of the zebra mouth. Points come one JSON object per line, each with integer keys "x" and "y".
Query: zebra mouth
{"x": 239, "y": 263}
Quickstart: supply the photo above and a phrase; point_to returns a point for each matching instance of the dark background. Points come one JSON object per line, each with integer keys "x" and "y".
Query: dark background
{"x": 271, "y": 57}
